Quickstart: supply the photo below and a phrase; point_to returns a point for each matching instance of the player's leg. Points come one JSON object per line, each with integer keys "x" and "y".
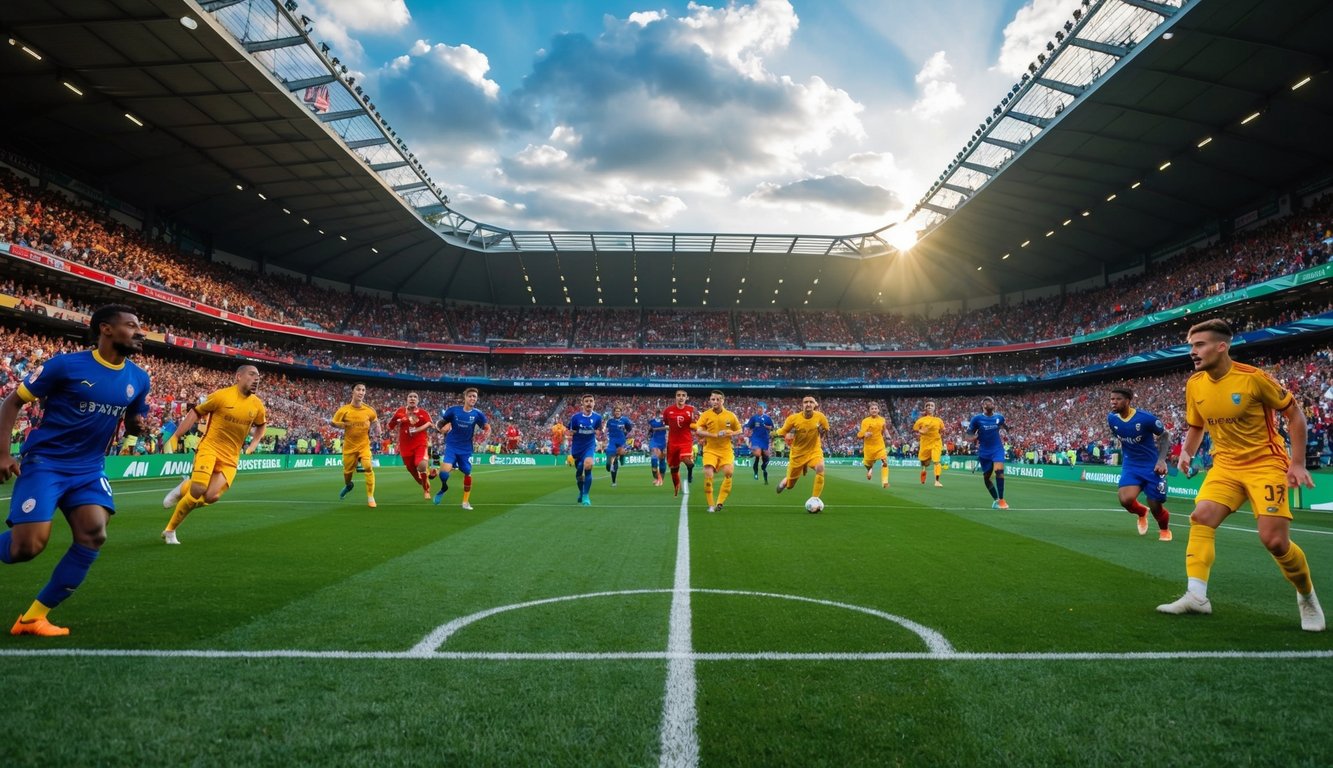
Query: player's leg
{"x": 615, "y": 463}
{"x": 422, "y": 463}
{"x": 31, "y": 509}
{"x": 757, "y": 454}
{"x": 868, "y": 461}
{"x": 688, "y": 461}
{"x": 201, "y": 478}
{"x": 1268, "y": 497}
{"x": 587, "y": 479}
{"x": 1129, "y": 499}
{"x": 884, "y": 471}
{"x": 673, "y": 459}
{"x": 349, "y": 471}
{"x": 657, "y": 465}
{"x": 999, "y": 485}
{"x": 763, "y": 465}
{"x": 1154, "y": 490}
{"x": 1218, "y": 497}
{"x": 795, "y": 469}
{"x": 924, "y": 458}
{"x": 936, "y": 454}
{"x": 465, "y": 466}
{"x": 728, "y": 471}
{"x": 709, "y": 469}
{"x": 987, "y": 470}
{"x": 447, "y": 461}
{"x": 818, "y": 489}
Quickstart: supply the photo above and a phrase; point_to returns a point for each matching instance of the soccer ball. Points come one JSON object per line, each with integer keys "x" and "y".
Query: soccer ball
{"x": 814, "y": 505}
{"x": 434, "y": 473}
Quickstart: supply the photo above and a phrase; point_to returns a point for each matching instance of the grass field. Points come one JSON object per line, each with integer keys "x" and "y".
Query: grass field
{"x": 913, "y": 626}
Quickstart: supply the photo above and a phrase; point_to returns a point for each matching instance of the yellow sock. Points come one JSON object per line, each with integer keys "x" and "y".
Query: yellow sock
{"x": 938, "y": 469}
{"x": 725, "y": 492}
{"x": 819, "y": 485}
{"x": 370, "y": 482}
{"x": 1201, "y": 552}
{"x": 466, "y": 494}
{"x": 184, "y": 507}
{"x": 1296, "y": 569}
{"x": 884, "y": 474}
{"x": 35, "y": 611}
{"x": 708, "y": 490}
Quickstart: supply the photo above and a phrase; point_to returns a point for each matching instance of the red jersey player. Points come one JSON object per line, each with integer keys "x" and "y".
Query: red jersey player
{"x": 512, "y": 437}
{"x": 412, "y": 422}
{"x": 680, "y": 420}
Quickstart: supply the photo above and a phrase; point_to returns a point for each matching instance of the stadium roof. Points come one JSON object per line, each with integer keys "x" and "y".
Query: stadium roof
{"x": 217, "y": 113}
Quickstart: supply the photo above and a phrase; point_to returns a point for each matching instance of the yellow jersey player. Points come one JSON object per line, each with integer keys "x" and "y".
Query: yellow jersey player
{"x": 930, "y": 432}
{"x": 872, "y": 432}
{"x": 807, "y": 427}
{"x": 1237, "y": 404}
{"x": 355, "y": 420}
{"x": 718, "y": 427}
{"x": 233, "y": 414}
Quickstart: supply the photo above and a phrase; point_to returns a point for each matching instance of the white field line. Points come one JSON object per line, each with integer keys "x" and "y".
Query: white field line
{"x": 680, "y": 717}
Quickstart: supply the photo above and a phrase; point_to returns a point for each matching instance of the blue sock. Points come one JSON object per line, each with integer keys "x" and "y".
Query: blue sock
{"x": 5, "y": 540}
{"x": 578, "y": 477}
{"x": 444, "y": 481}
{"x": 654, "y": 463}
{"x": 587, "y": 483}
{"x": 990, "y": 487}
{"x": 68, "y": 575}
{"x": 999, "y": 483}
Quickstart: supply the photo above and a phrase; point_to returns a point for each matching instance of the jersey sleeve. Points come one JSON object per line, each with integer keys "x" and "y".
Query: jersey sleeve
{"x": 139, "y": 406}
{"x": 972, "y": 426}
{"x": 261, "y": 416}
{"x": 481, "y": 419}
{"x": 1270, "y": 393}
{"x": 214, "y": 401}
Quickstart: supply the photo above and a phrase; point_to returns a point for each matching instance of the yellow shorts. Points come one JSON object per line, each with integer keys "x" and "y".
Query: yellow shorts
{"x": 930, "y": 454}
{"x": 800, "y": 464}
{"x": 207, "y": 464}
{"x": 719, "y": 460}
{"x": 351, "y": 458}
{"x": 1264, "y": 486}
{"x": 878, "y": 454}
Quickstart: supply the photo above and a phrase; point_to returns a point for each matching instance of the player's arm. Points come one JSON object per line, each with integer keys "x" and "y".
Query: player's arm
{"x": 337, "y": 420}
{"x": 1163, "y": 452}
{"x": 187, "y": 423}
{"x": 1193, "y": 439}
{"x": 256, "y": 434}
{"x": 9, "y": 413}
{"x": 1297, "y": 429}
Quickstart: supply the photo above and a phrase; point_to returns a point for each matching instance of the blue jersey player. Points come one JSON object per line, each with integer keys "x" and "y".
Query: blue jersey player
{"x": 85, "y": 396}
{"x": 985, "y": 429}
{"x": 1144, "y": 447}
{"x": 757, "y": 431}
{"x": 618, "y": 428}
{"x": 459, "y": 424}
{"x": 657, "y": 439}
{"x": 584, "y": 429}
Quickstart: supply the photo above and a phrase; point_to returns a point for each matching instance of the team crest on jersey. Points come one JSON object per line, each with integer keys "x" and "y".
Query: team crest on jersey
{"x": 1138, "y": 427}
{"x": 129, "y": 391}
{"x": 1235, "y": 398}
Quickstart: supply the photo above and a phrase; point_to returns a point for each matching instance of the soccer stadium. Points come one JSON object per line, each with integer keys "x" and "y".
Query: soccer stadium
{"x": 1033, "y": 472}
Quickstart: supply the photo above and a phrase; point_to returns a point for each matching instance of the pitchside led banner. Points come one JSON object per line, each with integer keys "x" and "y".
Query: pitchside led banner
{"x": 177, "y": 465}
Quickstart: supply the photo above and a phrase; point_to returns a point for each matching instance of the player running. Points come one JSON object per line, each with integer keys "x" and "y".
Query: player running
{"x": 757, "y": 431}
{"x": 459, "y": 424}
{"x": 873, "y": 431}
{"x": 1143, "y": 460}
{"x": 584, "y": 427}
{"x": 356, "y": 419}
{"x": 680, "y": 418}
{"x": 413, "y": 422}
{"x": 808, "y": 428}
{"x": 929, "y": 429}
{"x": 618, "y": 428}
{"x": 657, "y": 437}
{"x": 718, "y": 427}
{"x": 984, "y": 429}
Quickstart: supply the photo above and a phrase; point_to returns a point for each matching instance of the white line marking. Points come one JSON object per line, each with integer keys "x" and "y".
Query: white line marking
{"x": 680, "y": 716}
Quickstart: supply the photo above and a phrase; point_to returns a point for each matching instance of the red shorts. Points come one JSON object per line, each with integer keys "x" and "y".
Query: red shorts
{"x": 413, "y": 454}
{"x": 676, "y": 454}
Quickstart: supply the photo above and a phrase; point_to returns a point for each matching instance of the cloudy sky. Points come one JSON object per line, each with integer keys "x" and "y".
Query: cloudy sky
{"x": 770, "y": 116}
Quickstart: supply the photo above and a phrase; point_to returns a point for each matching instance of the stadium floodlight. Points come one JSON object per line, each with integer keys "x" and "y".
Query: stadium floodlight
{"x": 1303, "y": 81}
{"x": 1066, "y": 222}
{"x": 1136, "y": 185}
{"x": 133, "y": 119}
{"x": 1025, "y": 244}
{"x": 31, "y": 52}
{"x": 1007, "y": 255}
{"x": 1206, "y": 141}
{"x": 72, "y": 87}
{"x": 240, "y": 188}
{"x": 1246, "y": 121}
{"x": 1110, "y": 197}
{"x": 1164, "y": 166}
{"x": 189, "y": 23}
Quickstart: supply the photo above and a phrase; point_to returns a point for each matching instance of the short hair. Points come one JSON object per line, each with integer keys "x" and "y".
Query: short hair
{"x": 106, "y": 314}
{"x": 473, "y": 390}
{"x": 361, "y": 384}
{"x": 1124, "y": 392}
{"x": 717, "y": 392}
{"x": 810, "y": 395}
{"x": 585, "y": 396}
{"x": 682, "y": 392}
{"x": 1216, "y": 325}
{"x": 409, "y": 394}
{"x": 930, "y": 402}
{"x": 987, "y": 398}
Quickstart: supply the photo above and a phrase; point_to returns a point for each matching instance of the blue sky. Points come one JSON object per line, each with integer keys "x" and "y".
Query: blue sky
{"x": 771, "y": 116}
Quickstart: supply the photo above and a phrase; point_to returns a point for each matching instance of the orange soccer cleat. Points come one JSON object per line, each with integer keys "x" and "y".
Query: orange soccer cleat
{"x": 38, "y": 627}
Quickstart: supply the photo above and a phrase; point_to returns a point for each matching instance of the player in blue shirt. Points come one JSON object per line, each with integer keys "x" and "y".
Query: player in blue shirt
{"x": 85, "y": 396}
{"x": 1144, "y": 447}
{"x": 657, "y": 435}
{"x": 985, "y": 429}
{"x": 584, "y": 429}
{"x": 757, "y": 431}
{"x": 618, "y": 428}
{"x": 459, "y": 425}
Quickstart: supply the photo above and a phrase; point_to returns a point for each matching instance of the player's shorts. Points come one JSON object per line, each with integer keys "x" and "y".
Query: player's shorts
{"x": 677, "y": 454}
{"x": 799, "y": 465}
{"x": 413, "y": 455}
{"x": 42, "y": 488}
{"x": 350, "y": 458}
{"x": 458, "y": 459}
{"x": 760, "y": 445}
{"x": 614, "y": 447}
{"x": 931, "y": 454}
{"x": 719, "y": 459}
{"x": 1153, "y": 484}
{"x": 878, "y": 454}
{"x": 988, "y": 465}
{"x": 209, "y": 463}
{"x": 1264, "y": 486}
{"x": 512, "y": 447}
{"x": 660, "y": 447}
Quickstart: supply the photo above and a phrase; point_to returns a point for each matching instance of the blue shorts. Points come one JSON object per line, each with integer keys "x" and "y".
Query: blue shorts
{"x": 988, "y": 464}
{"x": 759, "y": 445}
{"x": 1153, "y": 484}
{"x": 458, "y": 459}
{"x": 658, "y": 447}
{"x": 582, "y": 452}
{"x": 41, "y": 488}
{"x": 613, "y": 447}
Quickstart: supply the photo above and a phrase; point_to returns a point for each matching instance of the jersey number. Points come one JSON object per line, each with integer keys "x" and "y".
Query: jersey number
{"x": 1275, "y": 493}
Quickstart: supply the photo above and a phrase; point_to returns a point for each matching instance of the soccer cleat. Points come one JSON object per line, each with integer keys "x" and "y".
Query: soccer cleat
{"x": 995, "y": 504}
{"x": 370, "y": 502}
{"x": 172, "y": 498}
{"x": 170, "y": 537}
{"x": 613, "y": 483}
{"x": 1002, "y": 504}
{"x": 782, "y": 485}
{"x": 1164, "y": 534}
{"x": 587, "y": 502}
{"x": 466, "y": 506}
{"x": 346, "y": 490}
{"x": 923, "y": 478}
{"x": 44, "y": 628}
{"x": 867, "y": 474}
{"x": 1312, "y": 616}
{"x": 712, "y": 509}
{"x": 425, "y": 495}
{"x": 719, "y": 507}
{"x": 884, "y": 485}
{"x": 938, "y": 484}
{"x": 756, "y": 475}
{"x": 1143, "y": 524}
{"x": 1188, "y": 603}
{"x": 438, "y": 497}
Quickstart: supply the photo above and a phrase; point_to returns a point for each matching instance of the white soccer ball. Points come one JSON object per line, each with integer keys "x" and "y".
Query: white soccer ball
{"x": 814, "y": 505}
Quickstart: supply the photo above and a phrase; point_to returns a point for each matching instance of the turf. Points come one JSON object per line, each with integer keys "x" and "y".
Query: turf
{"x": 282, "y": 565}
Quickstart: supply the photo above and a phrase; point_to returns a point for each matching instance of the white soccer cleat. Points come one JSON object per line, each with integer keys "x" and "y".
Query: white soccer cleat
{"x": 170, "y": 538}
{"x": 1188, "y": 603}
{"x": 1312, "y": 616}
{"x": 466, "y": 506}
{"x": 712, "y": 509}
{"x": 173, "y": 497}
{"x": 1143, "y": 523}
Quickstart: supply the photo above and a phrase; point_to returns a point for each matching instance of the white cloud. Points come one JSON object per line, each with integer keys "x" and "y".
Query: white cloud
{"x": 741, "y": 34}
{"x": 544, "y": 155}
{"x": 467, "y": 61}
{"x": 644, "y": 18}
{"x": 937, "y": 67}
{"x": 373, "y": 16}
{"x": 938, "y": 95}
{"x": 1034, "y": 25}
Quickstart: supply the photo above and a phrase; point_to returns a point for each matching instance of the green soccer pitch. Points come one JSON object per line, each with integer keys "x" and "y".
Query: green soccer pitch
{"x": 908, "y": 626}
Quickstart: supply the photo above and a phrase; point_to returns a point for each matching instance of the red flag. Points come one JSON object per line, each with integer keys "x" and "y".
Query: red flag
{"x": 317, "y": 96}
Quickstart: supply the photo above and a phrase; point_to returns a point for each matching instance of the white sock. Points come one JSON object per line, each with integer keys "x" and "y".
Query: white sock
{"x": 1199, "y": 588}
